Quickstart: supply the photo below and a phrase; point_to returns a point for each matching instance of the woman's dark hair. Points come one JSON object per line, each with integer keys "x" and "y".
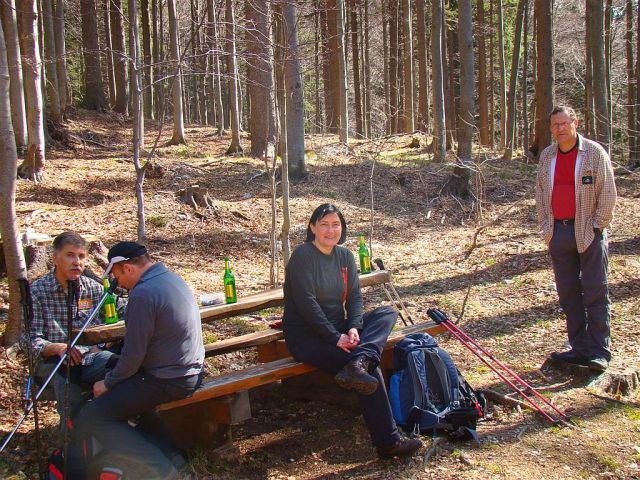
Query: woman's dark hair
{"x": 321, "y": 212}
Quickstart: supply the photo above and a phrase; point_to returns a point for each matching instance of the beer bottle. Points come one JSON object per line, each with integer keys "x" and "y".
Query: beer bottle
{"x": 363, "y": 252}
{"x": 110, "y": 312}
{"x": 229, "y": 283}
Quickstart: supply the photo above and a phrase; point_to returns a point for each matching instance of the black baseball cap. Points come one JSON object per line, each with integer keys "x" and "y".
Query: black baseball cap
{"x": 121, "y": 252}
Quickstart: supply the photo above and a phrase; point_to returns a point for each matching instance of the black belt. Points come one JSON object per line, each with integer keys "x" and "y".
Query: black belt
{"x": 566, "y": 221}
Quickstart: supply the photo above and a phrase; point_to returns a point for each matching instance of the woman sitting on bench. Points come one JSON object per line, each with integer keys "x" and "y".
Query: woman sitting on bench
{"x": 324, "y": 325}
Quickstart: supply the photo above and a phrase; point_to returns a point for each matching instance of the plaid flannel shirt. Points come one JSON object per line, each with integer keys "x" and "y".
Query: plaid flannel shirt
{"x": 49, "y": 322}
{"x": 595, "y": 191}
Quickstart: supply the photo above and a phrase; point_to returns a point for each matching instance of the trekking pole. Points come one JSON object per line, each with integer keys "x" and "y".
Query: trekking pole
{"x": 72, "y": 298}
{"x": 94, "y": 313}
{"x": 440, "y": 318}
{"x": 27, "y": 315}
{"x": 403, "y": 311}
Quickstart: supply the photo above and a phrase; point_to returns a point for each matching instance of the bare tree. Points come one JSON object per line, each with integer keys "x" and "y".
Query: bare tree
{"x": 342, "y": 73}
{"x": 11, "y": 245}
{"x": 18, "y": 112}
{"x": 595, "y": 38}
{"x": 439, "y": 133}
{"x": 50, "y": 56}
{"x": 545, "y": 73}
{"x": 407, "y": 34}
{"x": 483, "y": 105}
{"x": 119, "y": 57}
{"x": 631, "y": 86}
{"x": 355, "y": 55}
{"x": 94, "y": 97}
{"x": 234, "y": 110}
{"x": 147, "y": 73}
{"x": 503, "y": 76}
{"x": 64, "y": 84}
{"x": 513, "y": 83}
{"x": 33, "y": 165}
{"x": 423, "y": 70}
{"x": 176, "y": 82}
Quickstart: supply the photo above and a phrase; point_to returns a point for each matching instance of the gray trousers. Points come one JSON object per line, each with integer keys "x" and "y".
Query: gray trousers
{"x": 581, "y": 281}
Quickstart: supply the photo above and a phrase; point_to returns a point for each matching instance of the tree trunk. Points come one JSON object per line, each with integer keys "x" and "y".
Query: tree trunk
{"x": 589, "y": 114}
{"x": 492, "y": 81}
{"x": 234, "y": 109}
{"x": 215, "y": 61}
{"x": 147, "y": 72}
{"x": 119, "y": 57}
{"x": 11, "y": 245}
{"x": 595, "y": 22}
{"x": 632, "y": 137}
{"x": 342, "y": 73}
{"x": 525, "y": 80}
{"x": 295, "y": 98}
{"x": 483, "y": 104}
{"x": 545, "y": 73}
{"x": 355, "y": 54}
{"x": 503, "y": 77}
{"x": 34, "y": 163}
{"x": 64, "y": 84}
{"x": 176, "y": 83}
{"x": 18, "y": 112}
{"x": 111, "y": 79}
{"x": 94, "y": 97}
{"x": 407, "y": 33}
{"x": 156, "y": 74}
{"x": 423, "y": 70}
{"x": 394, "y": 96}
{"x": 385, "y": 67}
{"x": 513, "y": 84}
{"x": 439, "y": 140}
{"x": 367, "y": 72}
{"x": 53, "y": 96}
{"x": 637, "y": 103}
{"x": 330, "y": 65}
{"x": 449, "y": 71}
{"x": 460, "y": 182}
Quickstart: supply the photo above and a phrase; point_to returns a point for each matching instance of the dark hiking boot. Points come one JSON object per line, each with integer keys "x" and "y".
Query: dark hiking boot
{"x": 569, "y": 357}
{"x": 405, "y": 447}
{"x": 355, "y": 376}
{"x": 598, "y": 364}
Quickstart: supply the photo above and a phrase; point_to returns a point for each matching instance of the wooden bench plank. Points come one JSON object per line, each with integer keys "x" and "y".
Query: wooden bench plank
{"x": 276, "y": 370}
{"x": 243, "y": 341}
{"x": 250, "y": 303}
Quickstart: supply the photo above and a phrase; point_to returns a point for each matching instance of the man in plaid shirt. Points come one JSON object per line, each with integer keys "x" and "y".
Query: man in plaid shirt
{"x": 575, "y": 198}
{"x": 48, "y": 334}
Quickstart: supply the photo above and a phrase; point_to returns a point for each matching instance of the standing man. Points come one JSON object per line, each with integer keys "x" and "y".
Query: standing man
{"x": 161, "y": 361}
{"x": 48, "y": 333}
{"x": 575, "y": 198}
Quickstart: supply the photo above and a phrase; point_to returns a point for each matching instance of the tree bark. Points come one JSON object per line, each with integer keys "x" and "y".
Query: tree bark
{"x": 52, "y": 86}
{"x": 503, "y": 77}
{"x": 215, "y": 62}
{"x": 18, "y": 111}
{"x": 595, "y": 23}
{"x": 176, "y": 82}
{"x": 34, "y": 163}
{"x": 119, "y": 58}
{"x": 483, "y": 105}
{"x": 11, "y": 245}
{"x": 355, "y": 54}
{"x": 545, "y": 74}
{"x": 342, "y": 73}
{"x": 295, "y": 98}
{"x": 234, "y": 109}
{"x": 94, "y": 97}
{"x": 423, "y": 70}
{"x": 330, "y": 65}
{"x": 111, "y": 79}
{"x": 513, "y": 83}
{"x": 525, "y": 80}
{"x": 632, "y": 137}
{"x": 439, "y": 140}
{"x": 407, "y": 33}
{"x": 147, "y": 72}
{"x": 64, "y": 84}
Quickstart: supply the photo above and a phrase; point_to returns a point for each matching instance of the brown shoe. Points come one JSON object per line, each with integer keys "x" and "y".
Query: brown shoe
{"x": 355, "y": 376}
{"x": 405, "y": 447}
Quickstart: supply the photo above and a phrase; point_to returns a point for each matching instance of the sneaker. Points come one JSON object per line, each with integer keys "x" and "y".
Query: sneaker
{"x": 598, "y": 364}
{"x": 405, "y": 447}
{"x": 569, "y": 357}
{"x": 355, "y": 376}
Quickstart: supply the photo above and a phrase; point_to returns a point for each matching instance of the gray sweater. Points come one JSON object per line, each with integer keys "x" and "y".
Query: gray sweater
{"x": 164, "y": 334}
{"x": 321, "y": 295}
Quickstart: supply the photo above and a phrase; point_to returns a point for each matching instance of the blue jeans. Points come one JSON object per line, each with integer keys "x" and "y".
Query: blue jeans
{"x": 376, "y": 410}
{"x": 106, "y": 419}
{"x": 581, "y": 281}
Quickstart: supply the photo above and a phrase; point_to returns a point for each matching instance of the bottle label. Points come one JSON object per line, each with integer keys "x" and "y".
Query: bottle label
{"x": 365, "y": 264}
{"x": 110, "y": 313}
{"x": 229, "y": 291}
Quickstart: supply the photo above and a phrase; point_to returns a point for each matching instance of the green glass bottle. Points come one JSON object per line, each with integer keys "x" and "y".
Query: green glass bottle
{"x": 109, "y": 305}
{"x": 229, "y": 283}
{"x": 363, "y": 253}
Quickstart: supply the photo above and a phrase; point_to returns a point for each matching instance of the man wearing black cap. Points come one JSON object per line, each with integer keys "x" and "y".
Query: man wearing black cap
{"x": 161, "y": 361}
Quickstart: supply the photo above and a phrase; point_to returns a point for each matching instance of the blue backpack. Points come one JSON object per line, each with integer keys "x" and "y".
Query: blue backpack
{"x": 427, "y": 392}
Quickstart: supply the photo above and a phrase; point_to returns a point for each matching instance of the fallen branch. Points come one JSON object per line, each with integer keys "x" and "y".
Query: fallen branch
{"x": 429, "y": 453}
{"x": 504, "y": 400}
{"x": 627, "y": 403}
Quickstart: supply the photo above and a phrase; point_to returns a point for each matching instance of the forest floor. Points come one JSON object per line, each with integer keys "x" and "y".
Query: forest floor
{"x": 501, "y": 292}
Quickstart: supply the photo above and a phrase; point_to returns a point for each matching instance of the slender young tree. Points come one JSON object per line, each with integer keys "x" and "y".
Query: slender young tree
{"x": 214, "y": 46}
{"x": 147, "y": 73}
{"x": 178, "y": 136}
{"x": 423, "y": 69}
{"x": 34, "y": 164}
{"x": 342, "y": 73}
{"x": 64, "y": 84}
{"x": 18, "y": 111}
{"x": 11, "y": 245}
{"x": 234, "y": 97}
{"x": 632, "y": 137}
{"x": 111, "y": 79}
{"x": 483, "y": 104}
{"x": 545, "y": 73}
{"x": 50, "y": 56}
{"x": 437, "y": 65}
{"x": 408, "y": 74}
{"x": 503, "y": 76}
{"x": 595, "y": 22}
{"x": 355, "y": 55}
{"x": 513, "y": 84}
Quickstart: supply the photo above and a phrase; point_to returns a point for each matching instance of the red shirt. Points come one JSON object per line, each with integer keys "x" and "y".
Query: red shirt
{"x": 563, "y": 197}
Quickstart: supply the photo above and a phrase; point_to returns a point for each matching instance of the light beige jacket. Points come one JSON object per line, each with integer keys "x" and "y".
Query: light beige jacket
{"x": 595, "y": 191}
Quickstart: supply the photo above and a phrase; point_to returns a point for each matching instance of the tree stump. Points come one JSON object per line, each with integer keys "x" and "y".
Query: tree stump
{"x": 618, "y": 382}
{"x": 196, "y": 196}
{"x": 38, "y": 259}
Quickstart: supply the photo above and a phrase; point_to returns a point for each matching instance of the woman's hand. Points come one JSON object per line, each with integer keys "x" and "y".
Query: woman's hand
{"x": 349, "y": 341}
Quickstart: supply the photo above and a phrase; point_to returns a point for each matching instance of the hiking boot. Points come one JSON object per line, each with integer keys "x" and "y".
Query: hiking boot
{"x": 598, "y": 364}
{"x": 405, "y": 447}
{"x": 355, "y": 376}
{"x": 569, "y": 357}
